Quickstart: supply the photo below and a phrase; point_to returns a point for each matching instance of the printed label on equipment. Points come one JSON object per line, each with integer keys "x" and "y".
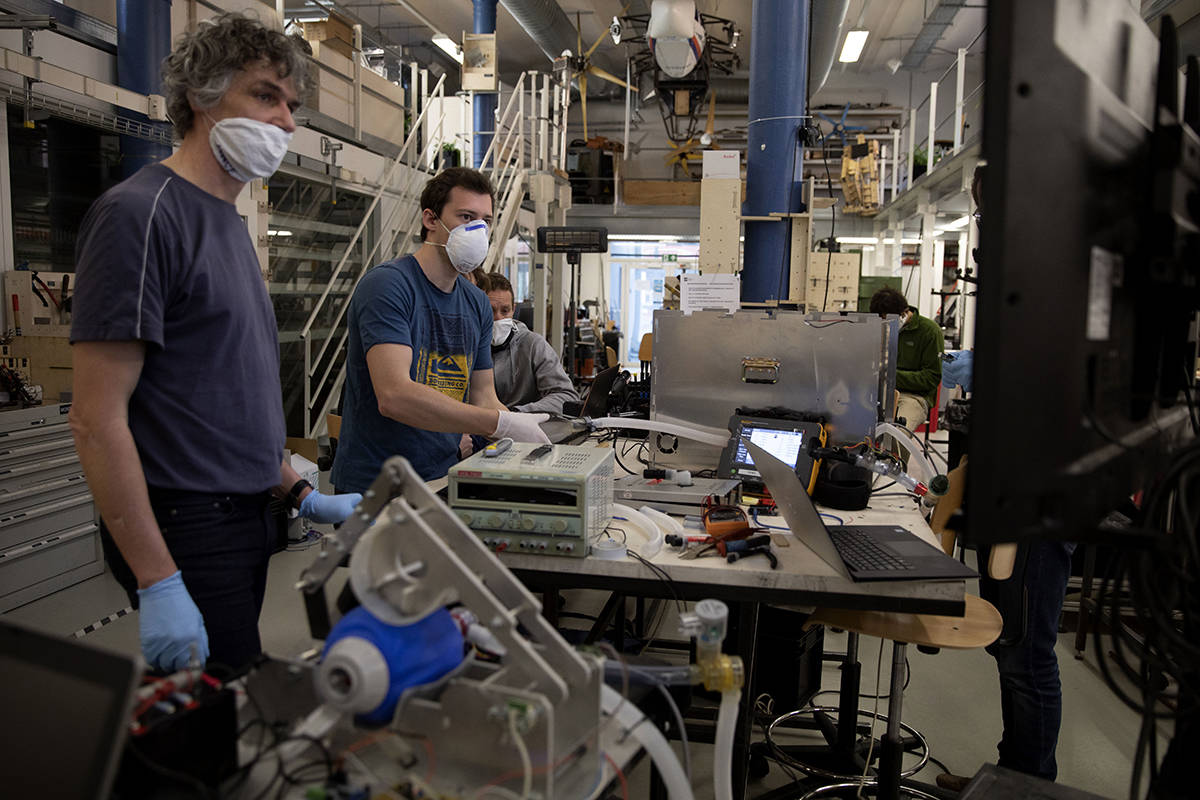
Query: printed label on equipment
{"x": 1100, "y": 283}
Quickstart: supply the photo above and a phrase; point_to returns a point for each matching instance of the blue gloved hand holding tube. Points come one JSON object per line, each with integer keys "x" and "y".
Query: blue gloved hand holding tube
{"x": 328, "y": 508}
{"x": 956, "y": 368}
{"x": 170, "y": 626}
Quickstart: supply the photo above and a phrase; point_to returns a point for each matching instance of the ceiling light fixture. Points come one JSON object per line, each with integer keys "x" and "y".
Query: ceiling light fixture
{"x": 853, "y": 47}
{"x": 961, "y": 222}
{"x": 448, "y": 46}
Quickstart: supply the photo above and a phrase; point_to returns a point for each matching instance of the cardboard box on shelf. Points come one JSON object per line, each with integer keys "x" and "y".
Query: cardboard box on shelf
{"x": 49, "y": 362}
{"x": 335, "y": 32}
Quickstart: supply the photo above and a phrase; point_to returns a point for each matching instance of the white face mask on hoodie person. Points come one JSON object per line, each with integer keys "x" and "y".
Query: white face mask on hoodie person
{"x": 467, "y": 245}
{"x": 247, "y": 148}
{"x": 502, "y": 329}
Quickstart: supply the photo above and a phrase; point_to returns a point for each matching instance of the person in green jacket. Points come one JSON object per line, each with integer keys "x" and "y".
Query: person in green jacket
{"x": 918, "y": 358}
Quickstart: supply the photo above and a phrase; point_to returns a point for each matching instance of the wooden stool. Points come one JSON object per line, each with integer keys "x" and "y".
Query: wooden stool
{"x": 979, "y": 626}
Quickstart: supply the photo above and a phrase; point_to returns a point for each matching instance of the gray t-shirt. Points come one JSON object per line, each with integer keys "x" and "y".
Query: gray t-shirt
{"x": 162, "y": 261}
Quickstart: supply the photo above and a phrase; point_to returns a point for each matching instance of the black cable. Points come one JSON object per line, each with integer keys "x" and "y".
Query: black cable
{"x": 832, "y": 221}
{"x": 662, "y": 576}
{"x": 785, "y": 248}
{"x": 624, "y": 535}
{"x": 617, "y": 457}
{"x": 1188, "y": 384}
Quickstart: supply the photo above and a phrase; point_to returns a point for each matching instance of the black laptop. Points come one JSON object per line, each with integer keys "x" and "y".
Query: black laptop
{"x": 67, "y": 706}
{"x": 858, "y": 552}
{"x": 595, "y": 404}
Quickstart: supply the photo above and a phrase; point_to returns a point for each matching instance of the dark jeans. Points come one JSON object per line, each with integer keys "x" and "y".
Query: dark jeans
{"x": 221, "y": 544}
{"x": 1030, "y": 691}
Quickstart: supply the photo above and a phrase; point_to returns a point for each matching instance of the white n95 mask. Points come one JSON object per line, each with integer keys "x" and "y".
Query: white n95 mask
{"x": 501, "y": 330}
{"x": 247, "y": 148}
{"x": 467, "y": 245}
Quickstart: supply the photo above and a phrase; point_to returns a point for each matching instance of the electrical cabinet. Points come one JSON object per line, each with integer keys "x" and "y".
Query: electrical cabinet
{"x": 49, "y": 537}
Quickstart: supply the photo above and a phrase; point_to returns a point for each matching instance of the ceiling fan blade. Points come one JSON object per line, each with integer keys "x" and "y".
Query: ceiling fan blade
{"x": 712, "y": 111}
{"x": 583, "y": 101}
{"x": 578, "y": 36}
{"x": 607, "y": 76}
{"x": 595, "y": 44}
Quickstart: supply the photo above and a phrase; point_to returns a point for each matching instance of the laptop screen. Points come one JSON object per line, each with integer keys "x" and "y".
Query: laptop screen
{"x": 71, "y": 704}
{"x": 785, "y": 443}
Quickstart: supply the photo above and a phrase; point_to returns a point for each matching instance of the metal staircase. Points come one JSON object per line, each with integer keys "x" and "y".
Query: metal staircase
{"x": 524, "y": 143}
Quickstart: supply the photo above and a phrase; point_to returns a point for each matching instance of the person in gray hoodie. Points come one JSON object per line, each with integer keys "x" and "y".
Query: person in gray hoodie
{"x": 529, "y": 375}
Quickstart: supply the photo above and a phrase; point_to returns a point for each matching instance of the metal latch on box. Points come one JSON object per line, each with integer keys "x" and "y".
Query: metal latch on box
{"x": 760, "y": 370}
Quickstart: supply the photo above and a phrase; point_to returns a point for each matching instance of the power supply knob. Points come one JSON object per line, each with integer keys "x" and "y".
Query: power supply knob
{"x": 527, "y": 523}
{"x": 493, "y": 521}
{"x": 559, "y": 526}
{"x": 465, "y": 517}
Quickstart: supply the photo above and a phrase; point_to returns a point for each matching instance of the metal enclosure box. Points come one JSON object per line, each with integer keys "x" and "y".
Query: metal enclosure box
{"x": 670, "y": 498}
{"x": 709, "y": 363}
{"x": 556, "y": 504}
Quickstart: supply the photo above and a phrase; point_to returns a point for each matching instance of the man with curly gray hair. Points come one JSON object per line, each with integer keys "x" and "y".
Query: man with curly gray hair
{"x": 178, "y": 416}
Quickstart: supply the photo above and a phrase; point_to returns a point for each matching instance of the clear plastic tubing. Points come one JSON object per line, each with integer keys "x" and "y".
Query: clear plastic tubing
{"x": 650, "y": 738}
{"x": 682, "y": 431}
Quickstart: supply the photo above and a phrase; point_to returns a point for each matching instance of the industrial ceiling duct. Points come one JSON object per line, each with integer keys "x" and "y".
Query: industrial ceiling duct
{"x": 940, "y": 18}
{"x": 825, "y": 34}
{"x": 546, "y": 23}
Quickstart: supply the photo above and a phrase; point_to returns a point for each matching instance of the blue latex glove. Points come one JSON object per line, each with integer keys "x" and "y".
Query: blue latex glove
{"x": 317, "y": 507}
{"x": 956, "y": 369}
{"x": 170, "y": 625}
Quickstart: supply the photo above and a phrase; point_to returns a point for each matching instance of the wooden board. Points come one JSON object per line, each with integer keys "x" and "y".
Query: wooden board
{"x": 978, "y": 627}
{"x": 49, "y": 362}
{"x": 660, "y": 193}
{"x": 720, "y": 202}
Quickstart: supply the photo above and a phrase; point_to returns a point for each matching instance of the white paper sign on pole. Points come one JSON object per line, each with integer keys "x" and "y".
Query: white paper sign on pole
{"x": 709, "y": 292}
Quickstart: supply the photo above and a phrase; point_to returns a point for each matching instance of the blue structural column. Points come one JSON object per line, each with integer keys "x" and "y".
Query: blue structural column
{"x": 774, "y": 159}
{"x": 143, "y": 41}
{"x": 485, "y": 103}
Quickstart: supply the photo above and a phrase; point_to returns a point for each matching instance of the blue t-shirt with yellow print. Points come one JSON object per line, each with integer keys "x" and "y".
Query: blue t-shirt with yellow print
{"x": 450, "y": 334}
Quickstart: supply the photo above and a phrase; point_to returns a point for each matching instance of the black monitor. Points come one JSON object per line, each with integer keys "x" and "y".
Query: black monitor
{"x": 1088, "y": 275}
{"x": 787, "y": 440}
{"x": 67, "y": 706}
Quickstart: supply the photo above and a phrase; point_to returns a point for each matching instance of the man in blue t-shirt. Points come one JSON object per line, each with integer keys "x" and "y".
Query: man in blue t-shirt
{"x": 178, "y": 415}
{"x": 419, "y": 360}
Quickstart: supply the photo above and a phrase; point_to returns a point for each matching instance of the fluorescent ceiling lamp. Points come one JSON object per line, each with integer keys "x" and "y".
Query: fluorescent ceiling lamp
{"x": 902, "y": 241}
{"x": 961, "y": 222}
{"x": 857, "y": 240}
{"x": 273, "y": 232}
{"x": 448, "y": 46}
{"x": 644, "y": 237}
{"x": 852, "y": 49}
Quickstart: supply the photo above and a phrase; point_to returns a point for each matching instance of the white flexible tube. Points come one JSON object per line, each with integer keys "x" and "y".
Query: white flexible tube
{"x": 723, "y": 749}
{"x": 666, "y": 523}
{"x": 645, "y": 526}
{"x": 649, "y": 737}
{"x": 705, "y": 435}
{"x": 919, "y": 466}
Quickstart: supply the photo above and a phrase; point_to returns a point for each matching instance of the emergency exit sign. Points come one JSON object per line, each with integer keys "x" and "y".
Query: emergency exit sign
{"x": 670, "y": 258}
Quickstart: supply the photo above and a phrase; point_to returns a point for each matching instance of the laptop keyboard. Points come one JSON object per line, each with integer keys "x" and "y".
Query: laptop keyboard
{"x": 862, "y": 554}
